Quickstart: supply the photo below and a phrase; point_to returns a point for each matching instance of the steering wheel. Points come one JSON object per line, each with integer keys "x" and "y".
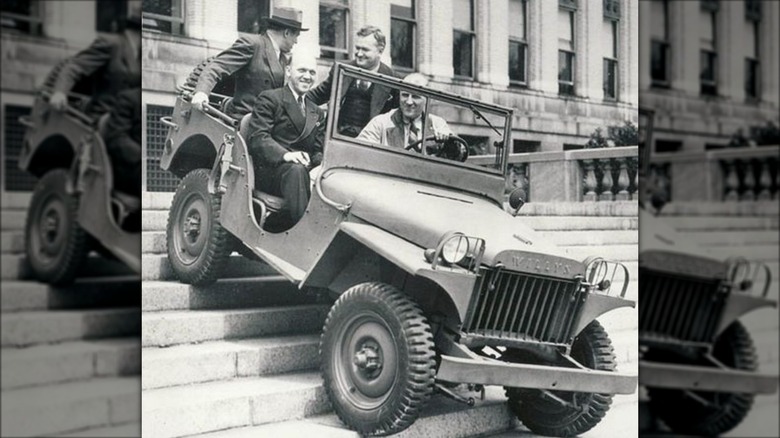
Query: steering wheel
{"x": 452, "y": 148}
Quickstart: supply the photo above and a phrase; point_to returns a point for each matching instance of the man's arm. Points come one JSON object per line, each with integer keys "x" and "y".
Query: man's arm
{"x": 84, "y": 64}
{"x": 321, "y": 93}
{"x": 372, "y": 131}
{"x": 261, "y": 124}
{"x": 225, "y": 63}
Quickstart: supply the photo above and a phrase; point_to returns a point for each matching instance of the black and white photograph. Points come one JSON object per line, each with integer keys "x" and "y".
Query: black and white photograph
{"x": 378, "y": 217}
{"x": 71, "y": 218}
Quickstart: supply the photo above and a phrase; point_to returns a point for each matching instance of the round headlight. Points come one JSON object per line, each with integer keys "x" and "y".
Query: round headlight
{"x": 455, "y": 249}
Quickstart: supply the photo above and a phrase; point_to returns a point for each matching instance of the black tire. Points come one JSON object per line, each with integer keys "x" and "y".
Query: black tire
{"x": 593, "y": 349}
{"x": 198, "y": 246}
{"x": 377, "y": 319}
{"x": 55, "y": 244}
{"x": 685, "y": 415}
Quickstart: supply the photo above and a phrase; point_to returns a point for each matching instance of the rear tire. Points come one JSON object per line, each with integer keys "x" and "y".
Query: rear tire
{"x": 377, "y": 359}
{"x": 685, "y": 415}
{"x": 55, "y": 244}
{"x": 593, "y": 349}
{"x": 198, "y": 246}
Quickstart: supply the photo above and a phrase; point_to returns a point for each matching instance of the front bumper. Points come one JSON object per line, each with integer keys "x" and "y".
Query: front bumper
{"x": 673, "y": 376}
{"x": 492, "y": 372}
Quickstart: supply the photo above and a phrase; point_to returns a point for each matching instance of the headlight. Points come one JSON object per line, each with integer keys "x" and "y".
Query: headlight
{"x": 455, "y": 249}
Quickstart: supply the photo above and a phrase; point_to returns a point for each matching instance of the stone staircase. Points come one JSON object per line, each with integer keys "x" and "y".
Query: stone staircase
{"x": 70, "y": 356}
{"x": 240, "y": 358}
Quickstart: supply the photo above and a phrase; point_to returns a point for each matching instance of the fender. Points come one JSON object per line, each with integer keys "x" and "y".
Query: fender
{"x": 53, "y": 135}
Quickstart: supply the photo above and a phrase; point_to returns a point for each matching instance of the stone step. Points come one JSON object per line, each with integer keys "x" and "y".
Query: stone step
{"x": 153, "y": 242}
{"x": 12, "y": 220}
{"x": 225, "y": 360}
{"x": 608, "y": 209}
{"x": 132, "y": 429}
{"x": 734, "y": 238}
{"x": 721, "y": 223}
{"x": 592, "y": 237}
{"x": 760, "y": 208}
{"x": 579, "y": 223}
{"x": 14, "y": 266}
{"x": 224, "y": 294}
{"x": 157, "y": 267}
{"x": 79, "y": 360}
{"x": 70, "y": 407}
{"x": 11, "y": 242}
{"x": 155, "y": 220}
{"x": 208, "y": 407}
{"x": 620, "y": 253}
{"x": 168, "y": 328}
{"x": 50, "y": 326}
{"x": 85, "y": 293}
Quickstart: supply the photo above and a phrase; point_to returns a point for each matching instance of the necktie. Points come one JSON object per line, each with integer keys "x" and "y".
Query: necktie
{"x": 302, "y": 105}
{"x": 413, "y": 134}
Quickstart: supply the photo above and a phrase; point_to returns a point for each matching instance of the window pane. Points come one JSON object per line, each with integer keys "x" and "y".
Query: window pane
{"x": 610, "y": 79}
{"x": 707, "y": 66}
{"x": 402, "y": 43}
{"x": 517, "y": 19}
{"x": 658, "y": 19}
{"x": 402, "y": 8}
{"x": 517, "y": 61}
{"x": 109, "y": 14}
{"x": 168, "y": 8}
{"x": 565, "y": 29}
{"x": 462, "y": 54}
{"x": 250, "y": 14}
{"x": 707, "y": 29}
{"x": 607, "y": 32}
{"x": 21, "y": 7}
{"x": 462, "y": 15}
{"x": 565, "y": 66}
{"x": 751, "y": 77}
{"x": 658, "y": 65}
{"x": 750, "y": 40}
{"x": 160, "y": 7}
{"x": 333, "y": 31}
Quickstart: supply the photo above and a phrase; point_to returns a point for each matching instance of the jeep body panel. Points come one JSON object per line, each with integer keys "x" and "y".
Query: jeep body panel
{"x": 49, "y": 135}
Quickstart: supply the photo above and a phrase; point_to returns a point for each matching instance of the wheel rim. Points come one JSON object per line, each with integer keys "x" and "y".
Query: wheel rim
{"x": 49, "y": 229}
{"x": 365, "y": 361}
{"x": 192, "y": 226}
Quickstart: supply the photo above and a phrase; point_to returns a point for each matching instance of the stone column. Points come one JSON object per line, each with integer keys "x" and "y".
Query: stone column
{"x": 216, "y": 22}
{"x": 493, "y": 42}
{"x": 645, "y": 42}
{"x": 731, "y": 32}
{"x": 685, "y": 45}
{"x": 770, "y": 59}
{"x": 435, "y": 33}
{"x": 543, "y": 46}
{"x": 67, "y": 20}
{"x": 628, "y": 53}
{"x": 588, "y": 45}
{"x": 309, "y": 41}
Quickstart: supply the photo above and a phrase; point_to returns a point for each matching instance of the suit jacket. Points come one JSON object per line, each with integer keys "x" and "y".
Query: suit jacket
{"x": 382, "y": 98}
{"x": 277, "y": 126}
{"x": 255, "y": 67}
{"x": 388, "y": 129}
{"x": 112, "y": 63}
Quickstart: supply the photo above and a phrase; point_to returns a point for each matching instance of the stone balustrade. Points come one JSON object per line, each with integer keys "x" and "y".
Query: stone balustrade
{"x": 725, "y": 175}
{"x": 587, "y": 175}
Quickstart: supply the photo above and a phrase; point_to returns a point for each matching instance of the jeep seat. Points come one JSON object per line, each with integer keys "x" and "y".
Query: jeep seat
{"x": 272, "y": 203}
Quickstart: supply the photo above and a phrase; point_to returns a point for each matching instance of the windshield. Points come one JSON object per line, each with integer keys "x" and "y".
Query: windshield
{"x": 410, "y": 118}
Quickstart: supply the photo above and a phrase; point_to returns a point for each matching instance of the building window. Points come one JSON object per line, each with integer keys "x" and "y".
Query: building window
{"x": 611, "y": 60}
{"x": 708, "y": 58}
{"x": 566, "y": 54}
{"x": 21, "y": 16}
{"x": 16, "y": 180}
{"x": 612, "y": 9}
{"x": 250, "y": 15}
{"x": 157, "y": 180}
{"x": 165, "y": 16}
{"x": 403, "y": 34}
{"x": 463, "y": 38}
{"x": 752, "y": 64}
{"x": 334, "y": 29}
{"x": 660, "y": 49}
{"x": 109, "y": 15}
{"x": 518, "y": 43}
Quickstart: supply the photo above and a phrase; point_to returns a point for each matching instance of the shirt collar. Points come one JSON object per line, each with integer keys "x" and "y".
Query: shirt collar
{"x": 295, "y": 95}
{"x": 275, "y": 45}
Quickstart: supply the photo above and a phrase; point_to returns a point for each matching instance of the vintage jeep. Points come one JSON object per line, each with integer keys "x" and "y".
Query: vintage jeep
{"x": 437, "y": 284}
{"x": 74, "y": 207}
{"x": 697, "y": 360}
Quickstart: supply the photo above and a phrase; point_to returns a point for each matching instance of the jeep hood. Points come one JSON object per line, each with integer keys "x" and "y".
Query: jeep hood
{"x": 422, "y": 214}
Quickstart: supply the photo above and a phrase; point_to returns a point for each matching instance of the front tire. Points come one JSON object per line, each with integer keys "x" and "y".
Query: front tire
{"x": 198, "y": 246}
{"x": 377, "y": 359}
{"x": 55, "y": 244}
{"x": 593, "y": 349}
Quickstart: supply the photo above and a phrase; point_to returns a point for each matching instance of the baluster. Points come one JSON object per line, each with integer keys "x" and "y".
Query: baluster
{"x": 732, "y": 183}
{"x": 749, "y": 181}
{"x": 776, "y": 195}
{"x": 607, "y": 182}
{"x": 635, "y": 195}
{"x": 590, "y": 181}
{"x": 623, "y": 181}
{"x": 765, "y": 181}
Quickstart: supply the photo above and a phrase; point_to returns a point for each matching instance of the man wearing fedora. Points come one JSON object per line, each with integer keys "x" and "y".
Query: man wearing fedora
{"x": 257, "y": 63}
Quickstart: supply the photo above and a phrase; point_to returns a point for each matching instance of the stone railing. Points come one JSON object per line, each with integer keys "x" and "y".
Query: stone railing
{"x": 607, "y": 174}
{"x": 727, "y": 175}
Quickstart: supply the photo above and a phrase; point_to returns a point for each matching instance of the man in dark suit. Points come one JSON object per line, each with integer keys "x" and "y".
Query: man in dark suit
{"x": 362, "y": 100}
{"x": 123, "y": 141}
{"x": 113, "y": 63}
{"x": 286, "y": 133}
{"x": 257, "y": 63}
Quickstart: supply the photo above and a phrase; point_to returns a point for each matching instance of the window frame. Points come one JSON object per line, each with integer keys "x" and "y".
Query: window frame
{"x": 615, "y": 60}
{"x": 34, "y": 20}
{"x": 523, "y": 42}
{"x": 413, "y": 22}
{"x": 176, "y": 22}
{"x": 472, "y": 34}
{"x": 571, "y": 51}
{"x": 754, "y": 61}
{"x": 709, "y": 87}
{"x": 346, "y": 51}
{"x": 666, "y": 48}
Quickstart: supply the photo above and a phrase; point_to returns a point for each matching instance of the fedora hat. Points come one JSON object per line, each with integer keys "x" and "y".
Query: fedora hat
{"x": 287, "y": 17}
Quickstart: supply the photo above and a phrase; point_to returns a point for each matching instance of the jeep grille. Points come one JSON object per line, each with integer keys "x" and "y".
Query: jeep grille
{"x": 522, "y": 306}
{"x": 677, "y": 308}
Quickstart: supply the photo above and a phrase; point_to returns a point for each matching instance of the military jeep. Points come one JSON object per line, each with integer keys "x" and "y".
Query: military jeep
{"x": 75, "y": 207}
{"x": 697, "y": 360}
{"x": 436, "y": 286}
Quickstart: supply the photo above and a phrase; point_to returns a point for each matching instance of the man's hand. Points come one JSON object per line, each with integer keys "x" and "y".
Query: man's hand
{"x": 58, "y": 100}
{"x": 440, "y": 134}
{"x": 298, "y": 157}
{"x": 200, "y": 99}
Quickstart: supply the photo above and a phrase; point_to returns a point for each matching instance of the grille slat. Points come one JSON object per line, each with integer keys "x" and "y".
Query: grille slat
{"x": 683, "y": 308}
{"x": 524, "y": 306}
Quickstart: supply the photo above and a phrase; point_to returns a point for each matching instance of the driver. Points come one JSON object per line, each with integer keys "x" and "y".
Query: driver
{"x": 403, "y": 127}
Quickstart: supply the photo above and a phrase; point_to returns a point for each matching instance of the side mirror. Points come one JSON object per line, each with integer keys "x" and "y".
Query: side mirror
{"x": 517, "y": 199}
